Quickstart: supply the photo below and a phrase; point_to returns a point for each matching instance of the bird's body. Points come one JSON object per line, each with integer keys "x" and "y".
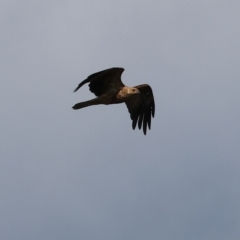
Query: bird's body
{"x": 109, "y": 89}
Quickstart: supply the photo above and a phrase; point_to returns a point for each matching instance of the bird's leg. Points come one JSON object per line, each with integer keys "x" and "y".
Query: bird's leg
{"x": 95, "y": 101}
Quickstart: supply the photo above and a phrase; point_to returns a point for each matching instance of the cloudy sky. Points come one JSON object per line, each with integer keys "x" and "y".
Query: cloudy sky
{"x": 86, "y": 174}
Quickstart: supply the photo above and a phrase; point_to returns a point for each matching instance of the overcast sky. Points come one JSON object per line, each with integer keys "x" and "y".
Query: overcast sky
{"x": 86, "y": 174}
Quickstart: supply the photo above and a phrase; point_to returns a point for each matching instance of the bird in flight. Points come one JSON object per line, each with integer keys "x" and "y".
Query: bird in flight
{"x": 109, "y": 89}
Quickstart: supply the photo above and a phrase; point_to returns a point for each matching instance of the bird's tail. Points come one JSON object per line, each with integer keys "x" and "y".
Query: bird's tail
{"x": 94, "y": 101}
{"x": 80, "y": 105}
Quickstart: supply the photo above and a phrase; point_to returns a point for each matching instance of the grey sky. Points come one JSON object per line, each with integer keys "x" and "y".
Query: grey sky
{"x": 86, "y": 174}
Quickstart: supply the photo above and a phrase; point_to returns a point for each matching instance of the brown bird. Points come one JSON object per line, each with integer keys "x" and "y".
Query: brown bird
{"x": 109, "y": 89}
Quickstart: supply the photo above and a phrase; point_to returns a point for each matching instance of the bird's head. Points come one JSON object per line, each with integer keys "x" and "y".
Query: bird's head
{"x": 127, "y": 92}
{"x": 132, "y": 91}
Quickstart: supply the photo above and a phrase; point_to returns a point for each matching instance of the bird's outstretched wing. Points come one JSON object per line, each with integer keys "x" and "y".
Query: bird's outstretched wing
{"x": 141, "y": 107}
{"x": 99, "y": 82}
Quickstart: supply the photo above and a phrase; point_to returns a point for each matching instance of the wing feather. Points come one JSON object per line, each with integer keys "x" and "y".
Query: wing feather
{"x": 142, "y": 107}
{"x": 99, "y": 82}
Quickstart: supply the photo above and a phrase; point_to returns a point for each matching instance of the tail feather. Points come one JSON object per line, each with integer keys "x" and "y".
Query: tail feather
{"x": 94, "y": 101}
{"x": 81, "y": 105}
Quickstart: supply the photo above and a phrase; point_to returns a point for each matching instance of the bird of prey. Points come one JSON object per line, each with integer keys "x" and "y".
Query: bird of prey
{"x": 109, "y": 89}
